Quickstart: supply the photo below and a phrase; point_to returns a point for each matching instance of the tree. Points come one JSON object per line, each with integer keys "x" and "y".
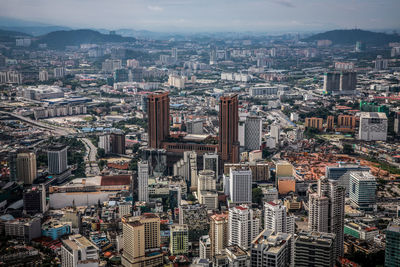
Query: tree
{"x": 101, "y": 153}
{"x": 348, "y": 149}
{"x": 257, "y": 195}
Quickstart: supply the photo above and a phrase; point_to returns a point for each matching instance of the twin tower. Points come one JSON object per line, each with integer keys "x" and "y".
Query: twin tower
{"x": 159, "y": 121}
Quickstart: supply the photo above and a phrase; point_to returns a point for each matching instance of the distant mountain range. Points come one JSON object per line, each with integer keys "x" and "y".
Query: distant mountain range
{"x": 60, "y": 39}
{"x": 350, "y": 37}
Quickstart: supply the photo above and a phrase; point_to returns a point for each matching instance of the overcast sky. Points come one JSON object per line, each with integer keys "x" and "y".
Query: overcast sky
{"x": 209, "y": 15}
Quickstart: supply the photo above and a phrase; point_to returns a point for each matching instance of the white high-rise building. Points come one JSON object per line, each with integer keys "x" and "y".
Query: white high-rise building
{"x": 143, "y": 181}
{"x": 275, "y": 133}
{"x": 253, "y": 132}
{"x": 57, "y": 159}
{"x": 373, "y": 126}
{"x": 362, "y": 190}
{"x": 43, "y": 76}
{"x": 243, "y": 226}
{"x": 277, "y": 219}
{"x": 59, "y": 72}
{"x": 240, "y": 181}
{"x": 326, "y": 211}
{"x": 205, "y": 247}
{"x": 104, "y": 143}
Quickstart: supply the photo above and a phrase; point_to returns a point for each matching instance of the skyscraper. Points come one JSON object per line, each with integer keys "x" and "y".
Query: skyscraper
{"x": 26, "y": 167}
{"x": 228, "y": 128}
{"x": 57, "y": 159}
{"x": 326, "y": 211}
{"x": 253, "y": 132}
{"x": 143, "y": 183}
{"x": 392, "y": 255}
{"x": 118, "y": 143}
{"x": 205, "y": 247}
{"x": 158, "y": 118}
{"x": 243, "y": 226}
{"x": 35, "y": 200}
{"x": 218, "y": 232}
{"x": 240, "y": 185}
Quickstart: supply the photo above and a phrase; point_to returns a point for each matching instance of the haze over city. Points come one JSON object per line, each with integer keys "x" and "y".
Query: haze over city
{"x": 207, "y": 15}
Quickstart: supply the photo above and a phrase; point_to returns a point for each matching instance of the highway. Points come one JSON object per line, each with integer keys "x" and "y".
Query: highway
{"x": 92, "y": 169}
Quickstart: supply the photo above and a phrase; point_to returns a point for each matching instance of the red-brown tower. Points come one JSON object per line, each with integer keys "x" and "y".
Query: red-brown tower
{"x": 228, "y": 128}
{"x": 158, "y": 118}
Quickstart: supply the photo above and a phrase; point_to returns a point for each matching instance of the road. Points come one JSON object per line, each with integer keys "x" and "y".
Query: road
{"x": 92, "y": 169}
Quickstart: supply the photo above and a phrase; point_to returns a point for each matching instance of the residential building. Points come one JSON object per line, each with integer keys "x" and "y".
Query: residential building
{"x": 244, "y": 226}
{"x": 23, "y": 229}
{"x": 326, "y": 211}
{"x": 104, "y": 143}
{"x": 179, "y": 239}
{"x": 316, "y": 123}
{"x": 205, "y": 247}
{"x": 218, "y": 232}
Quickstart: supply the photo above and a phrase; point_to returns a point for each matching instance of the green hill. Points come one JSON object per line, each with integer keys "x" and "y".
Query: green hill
{"x": 60, "y": 39}
{"x": 10, "y": 36}
{"x": 350, "y": 37}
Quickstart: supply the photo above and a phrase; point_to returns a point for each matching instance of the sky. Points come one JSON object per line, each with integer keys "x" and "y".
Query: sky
{"x": 209, "y": 15}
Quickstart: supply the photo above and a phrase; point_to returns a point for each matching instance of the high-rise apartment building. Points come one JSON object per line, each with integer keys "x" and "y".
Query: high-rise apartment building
{"x": 344, "y": 82}
{"x": 277, "y": 219}
{"x": 43, "y": 76}
{"x": 59, "y": 72}
{"x": 206, "y": 181}
{"x": 218, "y": 232}
{"x": 275, "y": 133}
{"x": 26, "y": 167}
{"x": 397, "y": 123}
{"x": 240, "y": 185}
{"x": 205, "y": 247}
{"x": 392, "y": 255}
{"x": 326, "y": 211}
{"x": 141, "y": 235}
{"x": 244, "y": 226}
{"x": 104, "y": 143}
{"x": 316, "y": 123}
{"x": 271, "y": 249}
{"x": 373, "y": 126}
{"x": 362, "y": 190}
{"x": 143, "y": 181}
{"x": 253, "y": 133}
{"x": 57, "y": 159}
{"x": 330, "y": 121}
{"x": 346, "y": 123}
{"x": 179, "y": 238}
{"x": 118, "y": 143}
{"x": 158, "y": 118}
{"x": 228, "y": 128}
{"x": 314, "y": 249}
